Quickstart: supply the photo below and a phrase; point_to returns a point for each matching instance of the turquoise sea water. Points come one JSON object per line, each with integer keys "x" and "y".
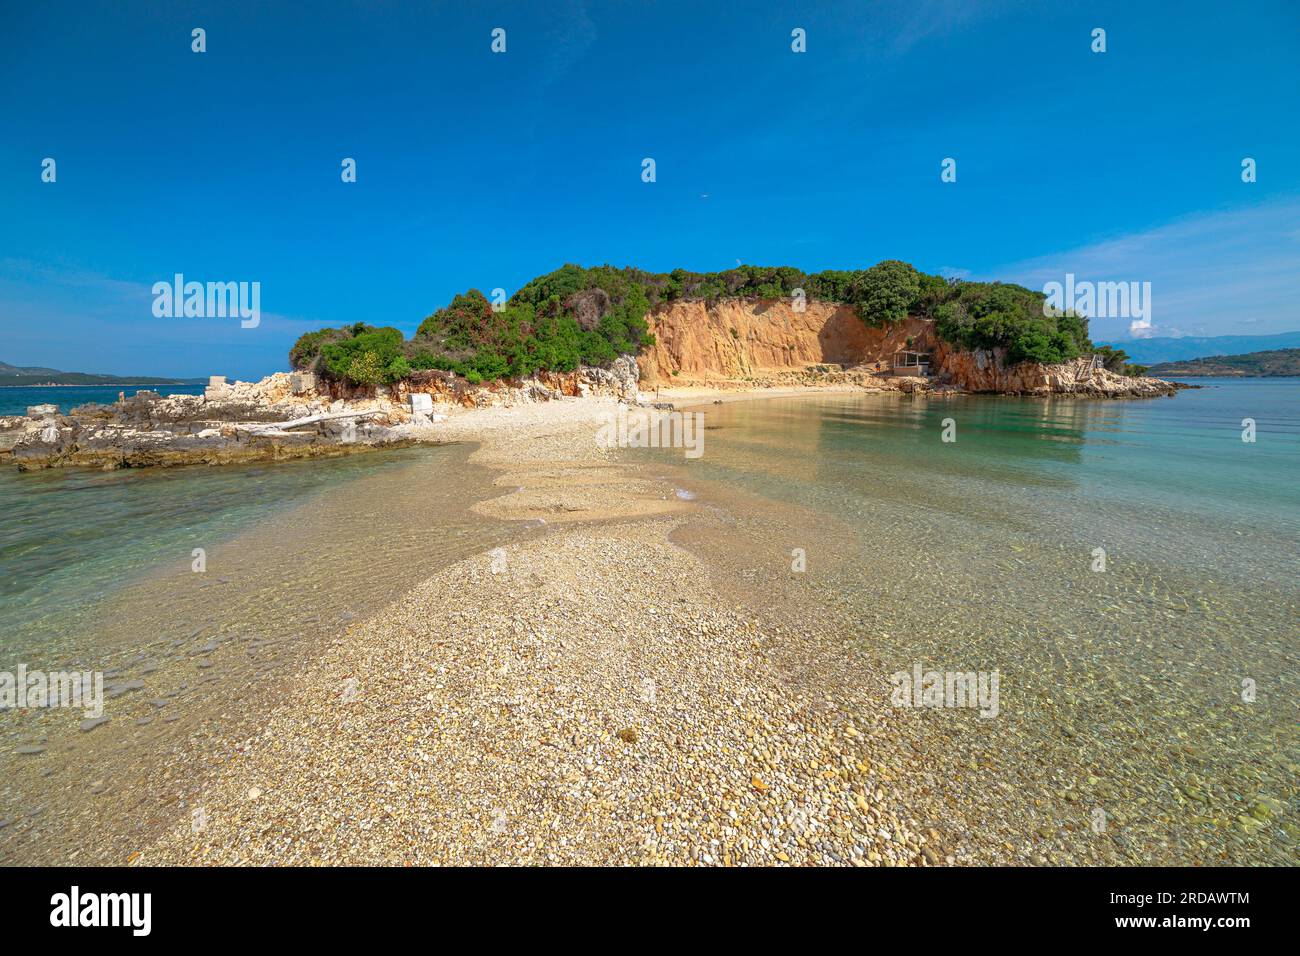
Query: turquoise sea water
{"x": 16, "y": 400}
{"x": 1124, "y": 686}
{"x": 71, "y": 536}
{"x": 86, "y": 552}
{"x": 1169, "y": 474}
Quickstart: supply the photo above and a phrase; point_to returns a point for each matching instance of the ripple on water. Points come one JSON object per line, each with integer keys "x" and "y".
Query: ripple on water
{"x": 308, "y": 555}
{"x": 1122, "y": 688}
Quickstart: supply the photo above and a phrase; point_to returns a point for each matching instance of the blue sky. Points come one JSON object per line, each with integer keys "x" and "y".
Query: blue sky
{"x": 482, "y": 170}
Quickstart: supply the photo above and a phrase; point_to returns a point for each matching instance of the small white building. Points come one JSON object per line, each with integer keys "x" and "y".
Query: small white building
{"x": 907, "y": 362}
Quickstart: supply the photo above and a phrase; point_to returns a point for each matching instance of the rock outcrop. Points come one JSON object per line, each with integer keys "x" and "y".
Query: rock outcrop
{"x": 988, "y": 371}
{"x": 770, "y": 342}
{"x": 619, "y": 381}
{"x": 229, "y": 423}
{"x": 281, "y": 417}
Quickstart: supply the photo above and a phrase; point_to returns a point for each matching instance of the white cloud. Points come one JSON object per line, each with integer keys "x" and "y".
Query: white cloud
{"x": 1211, "y": 273}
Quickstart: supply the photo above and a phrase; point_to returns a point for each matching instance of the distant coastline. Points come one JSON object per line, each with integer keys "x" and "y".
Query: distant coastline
{"x": 1276, "y": 363}
{"x": 124, "y": 384}
{"x": 39, "y": 376}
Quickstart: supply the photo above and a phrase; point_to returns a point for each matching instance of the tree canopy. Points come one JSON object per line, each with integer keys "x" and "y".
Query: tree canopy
{"x": 986, "y": 315}
{"x": 589, "y": 316}
{"x": 885, "y": 292}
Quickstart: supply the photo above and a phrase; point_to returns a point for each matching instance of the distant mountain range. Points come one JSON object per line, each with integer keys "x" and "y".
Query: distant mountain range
{"x": 1275, "y": 362}
{"x": 39, "y": 375}
{"x": 1157, "y": 350}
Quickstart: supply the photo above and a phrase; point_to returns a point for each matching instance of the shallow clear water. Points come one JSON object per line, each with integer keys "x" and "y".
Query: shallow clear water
{"x": 1123, "y": 688}
{"x": 93, "y": 563}
{"x": 97, "y": 574}
{"x": 70, "y": 537}
{"x": 1170, "y": 474}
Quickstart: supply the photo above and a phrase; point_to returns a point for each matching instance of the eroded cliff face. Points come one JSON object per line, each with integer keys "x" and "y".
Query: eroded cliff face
{"x": 738, "y": 340}
{"x": 735, "y": 339}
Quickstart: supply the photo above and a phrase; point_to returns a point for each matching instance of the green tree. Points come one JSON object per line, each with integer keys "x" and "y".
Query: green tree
{"x": 883, "y": 293}
{"x": 363, "y": 358}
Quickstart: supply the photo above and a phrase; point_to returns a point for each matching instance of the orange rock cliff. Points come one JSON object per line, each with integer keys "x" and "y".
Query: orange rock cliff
{"x": 743, "y": 340}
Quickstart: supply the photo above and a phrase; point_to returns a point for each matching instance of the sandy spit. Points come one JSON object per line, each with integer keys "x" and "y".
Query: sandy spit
{"x": 586, "y": 697}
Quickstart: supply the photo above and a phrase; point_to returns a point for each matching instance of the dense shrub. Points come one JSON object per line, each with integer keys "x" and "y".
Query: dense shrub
{"x": 884, "y": 293}
{"x": 986, "y": 315}
{"x": 590, "y": 316}
{"x": 305, "y": 353}
{"x": 359, "y": 353}
{"x": 833, "y": 285}
{"x": 371, "y": 358}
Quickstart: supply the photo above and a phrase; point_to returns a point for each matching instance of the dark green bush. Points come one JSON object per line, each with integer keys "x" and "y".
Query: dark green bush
{"x": 1117, "y": 360}
{"x": 589, "y": 316}
{"x": 987, "y": 315}
{"x": 367, "y": 357}
{"x": 305, "y": 353}
{"x": 884, "y": 293}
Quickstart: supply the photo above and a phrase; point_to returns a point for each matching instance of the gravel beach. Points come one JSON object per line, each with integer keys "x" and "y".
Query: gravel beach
{"x": 585, "y": 697}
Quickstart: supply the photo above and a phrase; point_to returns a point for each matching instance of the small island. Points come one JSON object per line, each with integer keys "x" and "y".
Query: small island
{"x": 608, "y": 334}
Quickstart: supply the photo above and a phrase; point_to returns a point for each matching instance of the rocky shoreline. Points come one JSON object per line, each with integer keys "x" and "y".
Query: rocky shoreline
{"x": 284, "y": 416}
{"x": 299, "y": 415}
{"x": 967, "y": 373}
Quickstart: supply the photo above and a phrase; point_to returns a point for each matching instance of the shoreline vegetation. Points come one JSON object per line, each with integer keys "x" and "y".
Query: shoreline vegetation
{"x": 582, "y": 333}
